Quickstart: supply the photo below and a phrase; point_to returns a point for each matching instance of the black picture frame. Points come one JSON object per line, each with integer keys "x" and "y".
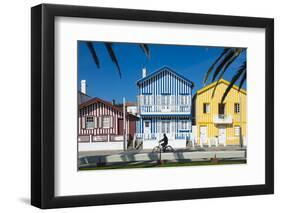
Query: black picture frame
{"x": 43, "y": 111}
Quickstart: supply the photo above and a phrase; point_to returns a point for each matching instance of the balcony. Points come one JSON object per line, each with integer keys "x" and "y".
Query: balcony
{"x": 222, "y": 119}
{"x": 164, "y": 109}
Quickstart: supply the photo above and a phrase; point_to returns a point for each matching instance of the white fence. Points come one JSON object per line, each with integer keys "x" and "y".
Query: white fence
{"x": 159, "y": 136}
{"x": 100, "y": 138}
{"x": 182, "y": 140}
{"x": 215, "y": 141}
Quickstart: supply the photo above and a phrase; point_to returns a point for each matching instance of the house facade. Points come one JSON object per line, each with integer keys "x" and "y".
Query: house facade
{"x": 220, "y": 123}
{"x": 164, "y": 106}
{"x": 101, "y": 121}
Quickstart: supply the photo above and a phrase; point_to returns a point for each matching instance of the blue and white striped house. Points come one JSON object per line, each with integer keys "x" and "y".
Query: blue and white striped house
{"x": 164, "y": 106}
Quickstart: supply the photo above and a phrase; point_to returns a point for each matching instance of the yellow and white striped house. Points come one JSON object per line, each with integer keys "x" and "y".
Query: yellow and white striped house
{"x": 220, "y": 123}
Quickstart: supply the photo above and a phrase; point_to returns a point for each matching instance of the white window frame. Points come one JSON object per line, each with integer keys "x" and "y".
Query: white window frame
{"x": 167, "y": 127}
{"x": 165, "y": 100}
{"x": 184, "y": 124}
{"x": 183, "y": 100}
{"x": 236, "y": 108}
{"x": 146, "y": 100}
{"x": 208, "y": 108}
{"x": 109, "y": 122}
{"x": 87, "y": 126}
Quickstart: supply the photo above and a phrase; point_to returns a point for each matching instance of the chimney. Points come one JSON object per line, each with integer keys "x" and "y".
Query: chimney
{"x": 84, "y": 86}
{"x": 144, "y": 72}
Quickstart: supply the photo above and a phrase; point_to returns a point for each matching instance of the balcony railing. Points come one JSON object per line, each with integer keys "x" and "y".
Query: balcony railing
{"x": 164, "y": 109}
{"x": 222, "y": 119}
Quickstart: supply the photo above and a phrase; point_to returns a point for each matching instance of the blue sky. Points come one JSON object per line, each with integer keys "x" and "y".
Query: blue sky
{"x": 105, "y": 82}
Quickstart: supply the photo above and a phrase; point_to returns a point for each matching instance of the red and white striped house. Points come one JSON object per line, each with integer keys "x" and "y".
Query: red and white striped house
{"x": 101, "y": 121}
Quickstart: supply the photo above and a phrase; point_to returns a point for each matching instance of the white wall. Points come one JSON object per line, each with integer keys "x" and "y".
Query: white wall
{"x": 15, "y": 105}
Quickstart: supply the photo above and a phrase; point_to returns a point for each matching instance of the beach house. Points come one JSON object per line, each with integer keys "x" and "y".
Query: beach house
{"x": 220, "y": 124}
{"x": 164, "y": 106}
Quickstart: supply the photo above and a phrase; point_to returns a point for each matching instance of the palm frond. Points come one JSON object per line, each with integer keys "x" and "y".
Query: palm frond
{"x": 214, "y": 64}
{"x": 238, "y": 74}
{"x": 109, "y": 48}
{"x": 228, "y": 63}
{"x": 145, "y": 49}
{"x": 243, "y": 78}
{"x": 227, "y": 57}
{"x": 93, "y": 53}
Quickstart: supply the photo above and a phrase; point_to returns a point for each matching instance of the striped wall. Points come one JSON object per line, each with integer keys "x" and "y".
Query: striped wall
{"x": 99, "y": 110}
{"x": 165, "y": 82}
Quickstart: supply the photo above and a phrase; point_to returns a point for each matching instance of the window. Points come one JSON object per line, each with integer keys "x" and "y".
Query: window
{"x": 146, "y": 124}
{"x": 165, "y": 127}
{"x": 183, "y": 100}
{"x": 184, "y": 125}
{"x": 236, "y": 107}
{"x": 221, "y": 109}
{"x": 237, "y": 130}
{"x": 90, "y": 122}
{"x": 146, "y": 100}
{"x": 106, "y": 122}
{"x": 165, "y": 100}
{"x": 206, "y": 108}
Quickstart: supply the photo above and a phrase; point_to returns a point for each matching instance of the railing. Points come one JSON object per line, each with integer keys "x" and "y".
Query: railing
{"x": 159, "y": 136}
{"x": 215, "y": 141}
{"x": 165, "y": 108}
{"x": 101, "y": 138}
{"x": 222, "y": 119}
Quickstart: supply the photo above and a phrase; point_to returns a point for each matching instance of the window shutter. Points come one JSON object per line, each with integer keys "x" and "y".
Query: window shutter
{"x": 83, "y": 122}
{"x": 100, "y": 122}
{"x": 158, "y": 126}
{"x": 180, "y": 124}
{"x": 173, "y": 127}
{"x": 151, "y": 100}
{"x": 111, "y": 121}
{"x": 189, "y": 127}
{"x": 162, "y": 100}
{"x": 95, "y": 122}
{"x": 173, "y": 100}
{"x": 158, "y": 100}
{"x": 169, "y": 100}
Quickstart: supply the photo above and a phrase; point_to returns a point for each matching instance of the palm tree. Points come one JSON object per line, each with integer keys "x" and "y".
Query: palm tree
{"x": 111, "y": 53}
{"x": 220, "y": 66}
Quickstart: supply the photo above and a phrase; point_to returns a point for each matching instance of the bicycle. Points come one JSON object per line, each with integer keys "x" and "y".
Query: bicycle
{"x": 160, "y": 148}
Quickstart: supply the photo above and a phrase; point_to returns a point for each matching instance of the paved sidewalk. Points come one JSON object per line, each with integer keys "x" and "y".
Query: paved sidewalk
{"x": 133, "y": 151}
{"x": 91, "y": 158}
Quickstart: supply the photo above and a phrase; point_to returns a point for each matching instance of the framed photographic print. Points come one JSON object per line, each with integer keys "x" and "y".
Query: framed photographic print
{"x": 136, "y": 106}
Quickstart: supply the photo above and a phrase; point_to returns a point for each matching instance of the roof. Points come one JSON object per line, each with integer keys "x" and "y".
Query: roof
{"x": 81, "y": 93}
{"x": 99, "y": 100}
{"x": 127, "y": 104}
{"x": 165, "y": 68}
{"x": 210, "y": 86}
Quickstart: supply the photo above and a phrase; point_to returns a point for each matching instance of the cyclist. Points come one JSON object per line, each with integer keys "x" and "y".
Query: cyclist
{"x": 165, "y": 141}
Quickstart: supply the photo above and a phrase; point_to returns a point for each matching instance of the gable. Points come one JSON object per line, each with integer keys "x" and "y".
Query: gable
{"x": 96, "y": 100}
{"x": 164, "y": 71}
{"x": 106, "y": 104}
{"x": 221, "y": 83}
